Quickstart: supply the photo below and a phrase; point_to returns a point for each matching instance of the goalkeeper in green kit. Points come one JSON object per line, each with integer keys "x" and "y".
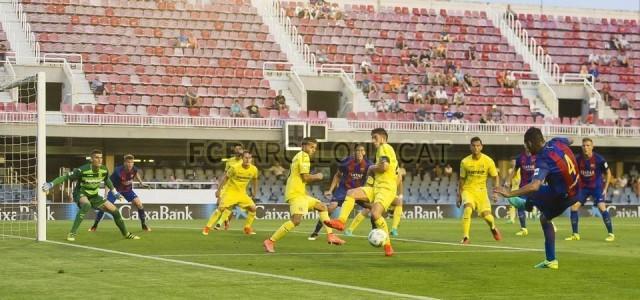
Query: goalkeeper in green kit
{"x": 86, "y": 193}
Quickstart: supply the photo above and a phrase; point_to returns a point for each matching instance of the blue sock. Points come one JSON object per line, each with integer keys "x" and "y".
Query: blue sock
{"x": 549, "y": 238}
{"x": 142, "y": 216}
{"x": 574, "y": 221}
{"x": 522, "y": 216}
{"x": 99, "y": 216}
{"x": 607, "y": 220}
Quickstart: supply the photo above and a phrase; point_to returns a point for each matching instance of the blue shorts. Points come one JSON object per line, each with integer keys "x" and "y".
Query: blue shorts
{"x": 338, "y": 200}
{"x": 550, "y": 203}
{"x": 596, "y": 193}
{"x": 129, "y": 196}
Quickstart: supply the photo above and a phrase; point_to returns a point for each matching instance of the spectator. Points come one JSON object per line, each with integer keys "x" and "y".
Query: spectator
{"x": 633, "y": 171}
{"x": 441, "y": 96}
{"x": 458, "y": 117}
{"x": 97, "y": 87}
{"x": 395, "y": 107}
{"x": 365, "y": 67}
{"x": 438, "y": 79}
{"x": 412, "y": 93}
{"x": 621, "y": 182}
{"x": 236, "y": 109}
{"x": 421, "y": 114}
{"x": 277, "y": 170}
{"x": 395, "y": 84}
{"x": 414, "y": 59}
{"x": 623, "y": 59}
{"x": 459, "y": 74}
{"x": 584, "y": 71}
{"x": 183, "y": 40}
{"x": 605, "y": 92}
{"x": 483, "y": 120}
{"x": 430, "y": 96}
{"x": 593, "y": 71}
{"x": 593, "y": 58}
{"x": 369, "y": 87}
{"x": 448, "y": 170}
{"x": 495, "y": 114}
{"x": 445, "y": 37}
{"x": 437, "y": 172}
{"x": 369, "y": 47}
{"x": 381, "y": 106}
{"x": 253, "y": 111}
{"x": 471, "y": 81}
{"x": 510, "y": 12}
{"x": 511, "y": 81}
{"x": 501, "y": 78}
{"x": 624, "y": 103}
{"x": 471, "y": 53}
{"x": 441, "y": 51}
{"x": 428, "y": 76}
{"x": 425, "y": 57}
{"x": 3, "y": 54}
{"x": 400, "y": 42}
{"x": 458, "y": 97}
{"x": 321, "y": 56}
{"x": 448, "y": 66}
{"x": 279, "y": 102}
{"x": 404, "y": 56}
{"x": 605, "y": 59}
{"x": 448, "y": 114}
{"x": 620, "y": 43}
{"x": 451, "y": 79}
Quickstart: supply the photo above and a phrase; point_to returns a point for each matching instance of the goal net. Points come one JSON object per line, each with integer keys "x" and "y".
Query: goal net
{"x": 22, "y": 157}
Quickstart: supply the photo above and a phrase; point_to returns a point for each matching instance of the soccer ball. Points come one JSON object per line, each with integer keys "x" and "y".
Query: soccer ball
{"x": 377, "y": 237}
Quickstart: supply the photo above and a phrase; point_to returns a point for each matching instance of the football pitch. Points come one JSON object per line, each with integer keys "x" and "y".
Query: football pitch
{"x": 176, "y": 261}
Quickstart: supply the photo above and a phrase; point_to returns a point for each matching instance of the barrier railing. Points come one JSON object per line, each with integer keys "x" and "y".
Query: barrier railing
{"x": 29, "y": 36}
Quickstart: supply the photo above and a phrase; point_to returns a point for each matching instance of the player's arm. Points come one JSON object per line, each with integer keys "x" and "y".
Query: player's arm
{"x": 221, "y": 185}
{"x": 400, "y": 187}
{"x": 305, "y": 171}
{"x": 380, "y": 167}
{"x": 73, "y": 175}
{"x": 493, "y": 173}
{"x": 309, "y": 178}
{"x": 254, "y": 190}
{"x": 607, "y": 180}
{"x": 532, "y": 187}
{"x": 334, "y": 183}
{"x": 139, "y": 179}
{"x": 463, "y": 175}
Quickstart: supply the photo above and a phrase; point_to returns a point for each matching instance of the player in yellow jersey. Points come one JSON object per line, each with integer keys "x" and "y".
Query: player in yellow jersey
{"x": 235, "y": 184}
{"x": 384, "y": 188}
{"x": 474, "y": 171}
{"x": 396, "y": 209}
{"x": 296, "y": 195}
{"x": 513, "y": 184}
{"x": 236, "y": 159}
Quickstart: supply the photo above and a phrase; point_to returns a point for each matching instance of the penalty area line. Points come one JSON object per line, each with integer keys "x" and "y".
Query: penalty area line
{"x": 245, "y": 272}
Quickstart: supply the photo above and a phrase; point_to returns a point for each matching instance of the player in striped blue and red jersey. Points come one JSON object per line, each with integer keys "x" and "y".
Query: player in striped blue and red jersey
{"x": 595, "y": 177}
{"x": 122, "y": 178}
{"x": 554, "y": 188}
{"x": 351, "y": 174}
{"x": 525, "y": 163}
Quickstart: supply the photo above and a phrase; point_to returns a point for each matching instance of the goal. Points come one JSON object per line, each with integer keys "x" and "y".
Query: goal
{"x": 22, "y": 157}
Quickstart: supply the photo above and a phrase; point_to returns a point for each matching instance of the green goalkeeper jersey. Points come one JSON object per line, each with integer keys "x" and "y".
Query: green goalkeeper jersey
{"x": 87, "y": 179}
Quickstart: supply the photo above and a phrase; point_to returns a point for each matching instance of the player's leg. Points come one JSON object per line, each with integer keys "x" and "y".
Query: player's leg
{"x": 297, "y": 208}
{"x": 522, "y": 217}
{"x": 575, "y": 235}
{"x": 397, "y": 215}
{"x": 606, "y": 218}
{"x": 100, "y": 213}
{"x": 84, "y": 206}
{"x": 511, "y": 213}
{"x": 549, "y": 244}
{"x": 141, "y": 214}
{"x": 324, "y": 217}
{"x": 484, "y": 211}
{"x": 331, "y": 208}
{"x": 117, "y": 218}
{"x": 360, "y": 194}
{"x": 382, "y": 201}
{"x": 469, "y": 205}
{"x": 364, "y": 213}
{"x": 215, "y": 215}
{"x": 251, "y": 216}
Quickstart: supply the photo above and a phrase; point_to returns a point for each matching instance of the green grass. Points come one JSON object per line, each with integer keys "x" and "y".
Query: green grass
{"x": 589, "y": 268}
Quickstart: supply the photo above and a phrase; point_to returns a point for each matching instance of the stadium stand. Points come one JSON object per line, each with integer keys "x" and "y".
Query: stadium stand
{"x": 571, "y": 41}
{"x": 132, "y": 47}
{"x": 343, "y": 43}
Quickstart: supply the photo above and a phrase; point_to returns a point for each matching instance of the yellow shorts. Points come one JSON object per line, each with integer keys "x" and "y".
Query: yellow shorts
{"x": 384, "y": 197}
{"x": 302, "y": 205}
{"x": 231, "y": 198}
{"x": 478, "y": 199}
{"x": 368, "y": 190}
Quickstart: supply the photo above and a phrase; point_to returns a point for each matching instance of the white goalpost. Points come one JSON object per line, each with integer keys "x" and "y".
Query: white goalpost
{"x": 23, "y": 209}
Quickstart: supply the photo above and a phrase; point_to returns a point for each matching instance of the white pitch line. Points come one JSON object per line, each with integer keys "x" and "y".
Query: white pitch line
{"x": 331, "y": 253}
{"x": 254, "y": 273}
{"x": 397, "y": 239}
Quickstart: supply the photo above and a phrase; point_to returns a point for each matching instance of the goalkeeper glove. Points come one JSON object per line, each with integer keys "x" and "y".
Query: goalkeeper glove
{"x": 47, "y": 186}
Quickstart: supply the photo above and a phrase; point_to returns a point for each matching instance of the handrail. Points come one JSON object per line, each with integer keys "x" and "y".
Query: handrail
{"x": 577, "y": 78}
{"x": 349, "y": 69}
{"x": 12, "y": 73}
{"x": 295, "y": 45}
{"x": 531, "y": 52}
{"x": 299, "y": 89}
{"x": 353, "y": 125}
{"x": 73, "y": 65}
{"x": 30, "y": 37}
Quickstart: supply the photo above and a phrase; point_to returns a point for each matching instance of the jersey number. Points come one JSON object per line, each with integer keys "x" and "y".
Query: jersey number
{"x": 570, "y": 165}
